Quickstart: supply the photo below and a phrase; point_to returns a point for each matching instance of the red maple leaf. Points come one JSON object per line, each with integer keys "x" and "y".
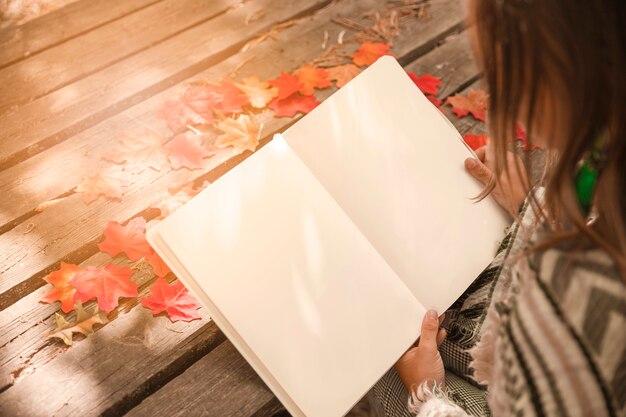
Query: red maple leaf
{"x": 106, "y": 285}
{"x": 223, "y": 96}
{"x": 62, "y": 290}
{"x": 311, "y": 78}
{"x": 475, "y": 141}
{"x": 369, "y": 52}
{"x": 475, "y": 103}
{"x": 427, "y": 83}
{"x": 186, "y": 150}
{"x": 520, "y": 135}
{"x": 130, "y": 239}
{"x": 177, "y": 115}
{"x": 173, "y": 299}
{"x": 288, "y": 107}
{"x": 159, "y": 267}
{"x": 436, "y": 102}
{"x": 287, "y": 85}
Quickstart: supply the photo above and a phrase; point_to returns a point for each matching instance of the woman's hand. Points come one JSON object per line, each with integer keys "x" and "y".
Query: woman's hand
{"x": 509, "y": 194}
{"x": 422, "y": 362}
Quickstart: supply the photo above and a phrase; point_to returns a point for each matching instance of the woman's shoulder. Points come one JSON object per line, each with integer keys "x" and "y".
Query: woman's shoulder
{"x": 581, "y": 299}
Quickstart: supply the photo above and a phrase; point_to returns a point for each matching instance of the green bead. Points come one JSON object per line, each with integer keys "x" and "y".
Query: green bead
{"x": 585, "y": 182}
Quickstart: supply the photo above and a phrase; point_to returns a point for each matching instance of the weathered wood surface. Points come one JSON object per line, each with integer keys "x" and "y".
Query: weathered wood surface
{"x": 136, "y": 363}
{"x": 19, "y": 42}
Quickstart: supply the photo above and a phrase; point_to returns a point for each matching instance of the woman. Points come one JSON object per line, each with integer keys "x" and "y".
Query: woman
{"x": 543, "y": 329}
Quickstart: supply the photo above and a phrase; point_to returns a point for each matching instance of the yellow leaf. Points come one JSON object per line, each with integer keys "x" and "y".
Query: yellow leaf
{"x": 241, "y": 133}
{"x": 259, "y": 92}
{"x": 84, "y": 324}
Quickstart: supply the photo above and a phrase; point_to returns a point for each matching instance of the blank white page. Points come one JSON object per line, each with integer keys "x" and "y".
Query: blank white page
{"x": 395, "y": 165}
{"x": 306, "y": 292}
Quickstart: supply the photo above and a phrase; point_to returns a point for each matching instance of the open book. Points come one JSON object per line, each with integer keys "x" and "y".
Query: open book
{"x": 319, "y": 254}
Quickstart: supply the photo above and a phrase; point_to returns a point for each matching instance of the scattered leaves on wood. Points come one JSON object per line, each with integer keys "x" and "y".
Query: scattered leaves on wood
{"x": 174, "y": 299}
{"x": 369, "y": 52}
{"x": 129, "y": 239}
{"x": 62, "y": 290}
{"x": 107, "y": 183}
{"x": 242, "y": 133}
{"x": 475, "y": 141}
{"x": 341, "y": 74}
{"x": 84, "y": 324}
{"x": 475, "y": 103}
{"x": 106, "y": 285}
{"x": 293, "y": 104}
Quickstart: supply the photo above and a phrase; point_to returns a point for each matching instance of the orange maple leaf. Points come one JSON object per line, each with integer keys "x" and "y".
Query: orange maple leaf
{"x": 369, "y": 52}
{"x": 186, "y": 150}
{"x": 427, "y": 83}
{"x": 107, "y": 183}
{"x": 62, "y": 290}
{"x": 476, "y": 103}
{"x": 174, "y": 299}
{"x": 241, "y": 133}
{"x": 287, "y": 84}
{"x": 311, "y": 78}
{"x": 140, "y": 150}
{"x": 224, "y": 97}
{"x": 288, "y": 107}
{"x": 259, "y": 92}
{"x": 159, "y": 267}
{"x": 106, "y": 285}
{"x": 341, "y": 74}
{"x": 130, "y": 239}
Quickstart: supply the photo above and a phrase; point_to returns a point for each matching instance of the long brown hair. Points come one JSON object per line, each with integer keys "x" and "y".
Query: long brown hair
{"x": 566, "y": 58}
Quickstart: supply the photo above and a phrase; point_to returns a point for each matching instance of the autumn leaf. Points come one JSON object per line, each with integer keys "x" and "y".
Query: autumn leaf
{"x": 84, "y": 323}
{"x": 259, "y": 92}
{"x": 436, "y": 102}
{"x": 241, "y": 133}
{"x": 520, "y": 135}
{"x": 293, "y": 104}
{"x": 106, "y": 285}
{"x": 130, "y": 239}
{"x": 287, "y": 85}
{"x": 62, "y": 290}
{"x": 312, "y": 78}
{"x": 159, "y": 267}
{"x": 341, "y": 74}
{"x": 475, "y": 141}
{"x": 475, "y": 103}
{"x": 369, "y": 52}
{"x": 140, "y": 150}
{"x": 174, "y": 299}
{"x": 107, "y": 183}
{"x": 427, "y": 83}
{"x": 169, "y": 201}
{"x": 186, "y": 150}
{"x": 177, "y": 115}
{"x": 206, "y": 98}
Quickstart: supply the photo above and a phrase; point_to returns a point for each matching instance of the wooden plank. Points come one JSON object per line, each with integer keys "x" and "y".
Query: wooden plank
{"x": 27, "y": 256}
{"x": 229, "y": 388}
{"x": 113, "y": 370}
{"x": 19, "y": 42}
{"x": 72, "y": 60}
{"x": 24, "y": 323}
{"x": 34, "y": 126}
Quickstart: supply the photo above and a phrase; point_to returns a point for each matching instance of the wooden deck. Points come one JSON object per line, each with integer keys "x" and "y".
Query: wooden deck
{"x": 69, "y": 82}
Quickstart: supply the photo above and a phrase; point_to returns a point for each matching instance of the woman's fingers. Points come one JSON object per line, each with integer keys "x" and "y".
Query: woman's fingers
{"x": 481, "y": 153}
{"x": 478, "y": 170}
{"x": 430, "y": 328}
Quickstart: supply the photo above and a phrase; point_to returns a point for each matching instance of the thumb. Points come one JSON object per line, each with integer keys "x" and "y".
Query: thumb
{"x": 430, "y": 328}
{"x": 478, "y": 170}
